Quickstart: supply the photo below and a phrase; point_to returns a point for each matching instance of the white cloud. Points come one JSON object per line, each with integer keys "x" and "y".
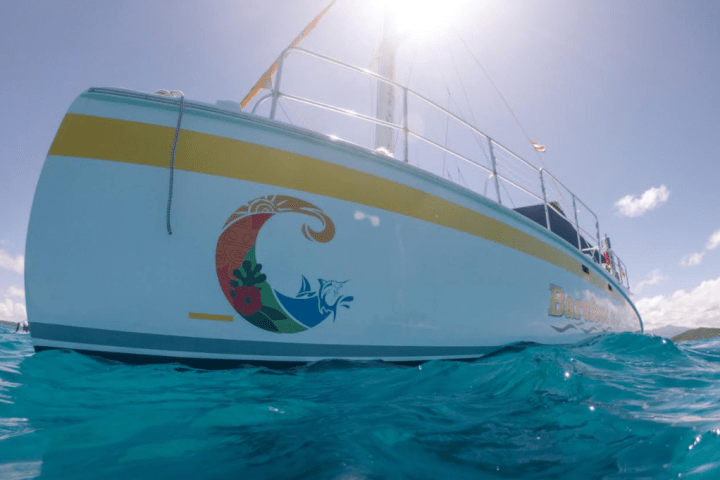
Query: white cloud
{"x": 692, "y": 260}
{"x": 7, "y": 262}
{"x": 655, "y": 278}
{"x": 696, "y": 258}
{"x": 14, "y": 291}
{"x": 12, "y": 311}
{"x": 697, "y": 308}
{"x": 714, "y": 240}
{"x": 632, "y": 206}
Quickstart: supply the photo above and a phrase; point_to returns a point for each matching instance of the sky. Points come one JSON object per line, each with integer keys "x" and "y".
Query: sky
{"x": 623, "y": 94}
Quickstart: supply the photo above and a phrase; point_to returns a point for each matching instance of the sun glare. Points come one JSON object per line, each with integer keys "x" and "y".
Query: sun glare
{"x": 423, "y": 16}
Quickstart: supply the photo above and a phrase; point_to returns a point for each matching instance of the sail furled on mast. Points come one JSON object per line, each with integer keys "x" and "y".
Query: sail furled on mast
{"x": 385, "y": 106}
{"x": 265, "y": 80}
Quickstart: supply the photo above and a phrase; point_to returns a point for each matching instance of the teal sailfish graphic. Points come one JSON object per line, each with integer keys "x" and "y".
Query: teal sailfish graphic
{"x": 312, "y": 307}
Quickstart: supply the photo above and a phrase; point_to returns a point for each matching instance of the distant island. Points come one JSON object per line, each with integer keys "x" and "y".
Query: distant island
{"x": 668, "y": 331}
{"x": 684, "y": 334}
{"x": 701, "y": 333}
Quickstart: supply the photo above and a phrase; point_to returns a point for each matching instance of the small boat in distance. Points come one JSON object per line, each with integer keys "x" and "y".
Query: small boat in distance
{"x": 165, "y": 230}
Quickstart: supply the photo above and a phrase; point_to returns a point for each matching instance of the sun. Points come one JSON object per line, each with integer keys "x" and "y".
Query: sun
{"x": 423, "y": 16}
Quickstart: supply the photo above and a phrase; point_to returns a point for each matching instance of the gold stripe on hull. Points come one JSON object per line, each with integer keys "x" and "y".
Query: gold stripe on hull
{"x": 102, "y": 138}
{"x": 210, "y": 316}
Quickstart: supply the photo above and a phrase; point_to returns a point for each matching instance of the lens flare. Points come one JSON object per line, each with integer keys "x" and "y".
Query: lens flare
{"x": 423, "y": 16}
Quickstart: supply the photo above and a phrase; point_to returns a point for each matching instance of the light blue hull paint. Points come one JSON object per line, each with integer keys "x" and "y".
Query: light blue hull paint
{"x": 98, "y": 257}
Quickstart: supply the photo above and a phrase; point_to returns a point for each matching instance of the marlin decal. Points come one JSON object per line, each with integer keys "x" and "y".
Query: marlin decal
{"x": 312, "y": 307}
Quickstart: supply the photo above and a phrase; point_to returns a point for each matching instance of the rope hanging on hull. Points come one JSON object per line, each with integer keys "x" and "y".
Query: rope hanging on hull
{"x": 173, "y": 93}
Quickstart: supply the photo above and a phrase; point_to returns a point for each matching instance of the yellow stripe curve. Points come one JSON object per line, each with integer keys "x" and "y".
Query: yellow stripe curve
{"x": 146, "y": 144}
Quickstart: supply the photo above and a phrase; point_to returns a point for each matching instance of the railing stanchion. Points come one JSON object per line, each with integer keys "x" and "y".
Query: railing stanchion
{"x": 276, "y": 85}
{"x": 405, "y": 124}
{"x": 494, "y": 170}
{"x": 627, "y": 277}
{"x": 577, "y": 224}
{"x": 545, "y": 203}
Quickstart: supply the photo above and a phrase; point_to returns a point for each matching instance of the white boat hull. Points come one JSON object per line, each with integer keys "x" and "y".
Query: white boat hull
{"x": 403, "y": 266}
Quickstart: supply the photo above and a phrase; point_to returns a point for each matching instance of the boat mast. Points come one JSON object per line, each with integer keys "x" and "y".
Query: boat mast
{"x": 385, "y": 107}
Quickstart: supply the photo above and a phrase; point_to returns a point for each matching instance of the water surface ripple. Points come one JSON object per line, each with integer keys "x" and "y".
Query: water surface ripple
{"x": 615, "y": 407}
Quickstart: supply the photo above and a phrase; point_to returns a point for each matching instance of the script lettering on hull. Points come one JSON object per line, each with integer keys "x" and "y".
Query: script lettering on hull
{"x": 584, "y": 314}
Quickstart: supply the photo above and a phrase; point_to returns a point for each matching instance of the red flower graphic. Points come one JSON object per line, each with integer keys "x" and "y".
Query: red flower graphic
{"x": 247, "y": 300}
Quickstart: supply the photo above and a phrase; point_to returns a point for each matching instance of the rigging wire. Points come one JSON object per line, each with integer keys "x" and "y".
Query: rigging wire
{"x": 462, "y": 87}
{"x": 461, "y": 175}
{"x": 472, "y": 115}
{"x": 447, "y": 120}
{"x": 477, "y": 61}
{"x": 474, "y": 135}
{"x": 286, "y": 114}
{"x": 294, "y": 112}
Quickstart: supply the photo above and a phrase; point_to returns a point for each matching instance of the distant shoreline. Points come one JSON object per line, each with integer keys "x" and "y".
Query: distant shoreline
{"x": 701, "y": 333}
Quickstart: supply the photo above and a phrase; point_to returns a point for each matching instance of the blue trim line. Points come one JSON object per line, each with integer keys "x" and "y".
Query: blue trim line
{"x": 114, "y": 338}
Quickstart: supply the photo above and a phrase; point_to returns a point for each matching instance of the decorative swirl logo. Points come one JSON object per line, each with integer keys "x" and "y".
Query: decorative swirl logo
{"x": 247, "y": 288}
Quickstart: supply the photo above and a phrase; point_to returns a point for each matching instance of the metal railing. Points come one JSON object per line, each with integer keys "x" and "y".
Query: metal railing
{"x": 504, "y": 168}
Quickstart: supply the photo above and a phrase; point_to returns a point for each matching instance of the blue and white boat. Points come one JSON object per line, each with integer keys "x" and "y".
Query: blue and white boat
{"x": 164, "y": 229}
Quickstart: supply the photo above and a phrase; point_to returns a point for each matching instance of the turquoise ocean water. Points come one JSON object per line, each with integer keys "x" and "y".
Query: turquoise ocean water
{"x": 614, "y": 407}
